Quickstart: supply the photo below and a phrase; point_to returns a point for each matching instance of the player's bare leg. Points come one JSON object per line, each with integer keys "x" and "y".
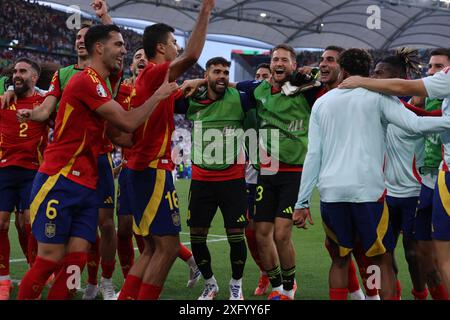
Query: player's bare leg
{"x": 338, "y": 274}
{"x": 263, "y": 283}
{"x": 133, "y": 281}
{"x": 443, "y": 259}
{"x": 387, "y": 285}
{"x": 429, "y": 268}
{"x": 166, "y": 251}
{"x": 268, "y": 253}
{"x": 286, "y": 254}
{"x": 108, "y": 247}
{"x": 414, "y": 266}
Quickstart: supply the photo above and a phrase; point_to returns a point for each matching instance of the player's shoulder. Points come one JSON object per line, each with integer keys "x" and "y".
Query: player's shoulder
{"x": 153, "y": 69}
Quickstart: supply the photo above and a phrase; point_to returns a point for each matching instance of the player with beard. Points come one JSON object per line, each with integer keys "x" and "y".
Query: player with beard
{"x": 64, "y": 211}
{"x": 435, "y": 87}
{"x": 154, "y": 202}
{"x": 21, "y": 149}
{"x": 330, "y": 77}
{"x": 283, "y": 115}
{"x": 102, "y": 250}
{"x": 277, "y": 185}
{"x": 125, "y": 249}
{"x": 439, "y": 60}
{"x": 251, "y": 180}
{"x": 218, "y": 179}
{"x": 345, "y": 159}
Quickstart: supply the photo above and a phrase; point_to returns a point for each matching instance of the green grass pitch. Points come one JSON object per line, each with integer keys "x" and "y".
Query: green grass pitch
{"x": 312, "y": 261}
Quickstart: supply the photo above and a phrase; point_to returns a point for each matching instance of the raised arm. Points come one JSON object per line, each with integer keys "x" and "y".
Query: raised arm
{"x": 41, "y": 113}
{"x": 393, "y": 87}
{"x": 195, "y": 43}
{"x": 128, "y": 121}
{"x": 101, "y": 10}
{"x": 394, "y": 112}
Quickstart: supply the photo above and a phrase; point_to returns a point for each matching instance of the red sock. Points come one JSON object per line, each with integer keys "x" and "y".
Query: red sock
{"x": 34, "y": 280}
{"x": 93, "y": 262}
{"x": 59, "y": 289}
{"x": 23, "y": 240}
{"x": 399, "y": 290}
{"x": 251, "y": 242}
{"x": 125, "y": 251}
{"x": 108, "y": 268}
{"x": 149, "y": 292}
{"x": 131, "y": 288}
{"x": 4, "y": 253}
{"x": 184, "y": 253}
{"x": 338, "y": 293}
{"x": 32, "y": 249}
{"x": 353, "y": 283}
{"x": 420, "y": 295}
{"x": 140, "y": 242}
{"x": 438, "y": 293}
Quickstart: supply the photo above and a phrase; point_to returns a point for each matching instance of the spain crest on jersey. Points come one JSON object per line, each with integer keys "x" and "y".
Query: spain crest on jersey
{"x": 50, "y": 230}
{"x": 176, "y": 219}
{"x": 101, "y": 91}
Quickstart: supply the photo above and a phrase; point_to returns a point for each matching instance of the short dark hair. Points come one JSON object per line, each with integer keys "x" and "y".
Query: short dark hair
{"x": 218, "y": 60}
{"x": 441, "y": 52}
{"x": 98, "y": 33}
{"x": 286, "y": 47}
{"x": 263, "y": 65}
{"x": 154, "y": 34}
{"x": 34, "y": 65}
{"x": 397, "y": 65}
{"x": 335, "y": 48}
{"x": 138, "y": 48}
{"x": 356, "y": 62}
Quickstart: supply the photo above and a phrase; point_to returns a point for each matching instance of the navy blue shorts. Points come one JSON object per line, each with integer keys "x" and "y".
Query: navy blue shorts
{"x": 123, "y": 198}
{"x": 15, "y": 188}
{"x": 440, "y": 221}
{"x": 105, "y": 184}
{"x": 345, "y": 222}
{"x": 61, "y": 209}
{"x": 154, "y": 202}
{"x": 402, "y": 212}
{"x": 422, "y": 220}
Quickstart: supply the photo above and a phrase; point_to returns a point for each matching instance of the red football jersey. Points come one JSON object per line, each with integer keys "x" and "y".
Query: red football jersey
{"x": 106, "y": 145}
{"x": 78, "y": 130}
{"x": 153, "y": 139}
{"x": 22, "y": 144}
